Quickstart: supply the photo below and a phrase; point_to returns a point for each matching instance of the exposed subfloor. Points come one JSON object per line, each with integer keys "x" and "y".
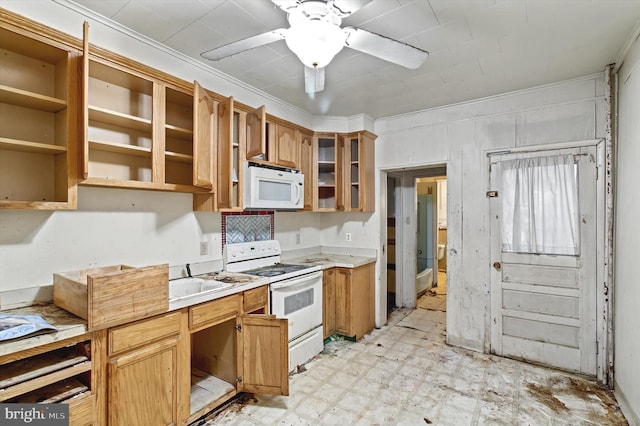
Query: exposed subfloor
{"x": 405, "y": 374}
{"x": 436, "y": 297}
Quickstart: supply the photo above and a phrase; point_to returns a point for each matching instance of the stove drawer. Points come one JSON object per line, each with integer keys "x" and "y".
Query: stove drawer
{"x": 256, "y": 299}
{"x": 214, "y": 312}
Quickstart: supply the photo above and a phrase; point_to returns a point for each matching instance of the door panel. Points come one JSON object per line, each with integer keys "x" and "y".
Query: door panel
{"x": 204, "y": 155}
{"x": 265, "y": 354}
{"x": 543, "y": 307}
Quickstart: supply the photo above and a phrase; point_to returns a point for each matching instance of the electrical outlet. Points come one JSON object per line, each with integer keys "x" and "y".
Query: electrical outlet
{"x": 204, "y": 248}
{"x": 348, "y": 236}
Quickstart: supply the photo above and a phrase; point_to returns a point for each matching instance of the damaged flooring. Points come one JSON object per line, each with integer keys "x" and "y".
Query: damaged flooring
{"x": 405, "y": 374}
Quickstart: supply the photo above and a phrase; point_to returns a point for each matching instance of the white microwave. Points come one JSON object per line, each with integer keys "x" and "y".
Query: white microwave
{"x": 272, "y": 187}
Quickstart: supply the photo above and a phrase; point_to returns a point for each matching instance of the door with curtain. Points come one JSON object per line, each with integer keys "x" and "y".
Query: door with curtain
{"x": 543, "y": 252}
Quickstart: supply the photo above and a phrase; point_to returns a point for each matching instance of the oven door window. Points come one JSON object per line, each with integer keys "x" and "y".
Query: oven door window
{"x": 298, "y": 301}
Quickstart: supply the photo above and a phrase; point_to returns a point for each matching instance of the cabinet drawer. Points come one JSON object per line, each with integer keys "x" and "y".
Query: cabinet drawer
{"x": 82, "y": 411}
{"x": 213, "y": 312}
{"x": 143, "y": 332}
{"x": 256, "y": 299}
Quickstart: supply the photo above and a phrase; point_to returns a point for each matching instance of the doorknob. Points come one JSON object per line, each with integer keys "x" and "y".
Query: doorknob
{"x": 497, "y": 266}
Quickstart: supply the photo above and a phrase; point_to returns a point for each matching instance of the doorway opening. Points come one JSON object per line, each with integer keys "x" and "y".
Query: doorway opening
{"x": 416, "y": 240}
{"x": 431, "y": 243}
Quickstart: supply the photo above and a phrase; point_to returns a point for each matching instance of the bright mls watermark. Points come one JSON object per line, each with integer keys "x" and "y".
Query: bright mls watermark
{"x": 34, "y": 414}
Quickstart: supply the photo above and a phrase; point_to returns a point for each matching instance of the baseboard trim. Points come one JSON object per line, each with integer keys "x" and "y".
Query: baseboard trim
{"x": 626, "y": 408}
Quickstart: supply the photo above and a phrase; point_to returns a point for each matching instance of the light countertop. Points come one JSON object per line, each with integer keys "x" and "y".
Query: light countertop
{"x": 332, "y": 260}
{"x": 68, "y": 326}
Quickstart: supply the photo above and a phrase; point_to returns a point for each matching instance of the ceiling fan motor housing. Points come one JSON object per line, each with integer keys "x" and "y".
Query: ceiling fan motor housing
{"x": 315, "y": 35}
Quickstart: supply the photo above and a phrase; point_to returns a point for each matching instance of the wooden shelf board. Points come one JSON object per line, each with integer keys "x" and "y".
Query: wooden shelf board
{"x": 118, "y": 148}
{"x": 56, "y": 376}
{"x": 27, "y": 146}
{"x": 24, "y": 98}
{"x": 35, "y": 205}
{"x": 24, "y": 370}
{"x": 134, "y": 184}
{"x": 120, "y": 119}
{"x": 178, "y": 157}
{"x": 206, "y": 388}
{"x": 179, "y": 132}
{"x": 55, "y": 392}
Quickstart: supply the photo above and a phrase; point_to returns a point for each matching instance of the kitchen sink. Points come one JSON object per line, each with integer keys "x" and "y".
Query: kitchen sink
{"x": 182, "y": 290}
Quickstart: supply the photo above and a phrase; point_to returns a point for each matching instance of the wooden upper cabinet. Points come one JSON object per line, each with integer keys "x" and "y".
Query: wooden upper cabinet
{"x": 283, "y": 145}
{"x": 263, "y": 355}
{"x": 327, "y": 172}
{"x": 39, "y": 101}
{"x": 359, "y": 165}
{"x": 306, "y": 167}
{"x": 142, "y": 128}
{"x": 256, "y": 133}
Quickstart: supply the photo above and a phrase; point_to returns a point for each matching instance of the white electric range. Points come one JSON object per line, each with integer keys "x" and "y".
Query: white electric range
{"x": 295, "y": 293}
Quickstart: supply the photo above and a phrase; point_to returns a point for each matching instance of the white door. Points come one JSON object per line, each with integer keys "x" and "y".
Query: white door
{"x": 543, "y": 300}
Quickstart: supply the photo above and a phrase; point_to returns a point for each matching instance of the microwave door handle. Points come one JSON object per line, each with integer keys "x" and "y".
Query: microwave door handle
{"x": 298, "y": 193}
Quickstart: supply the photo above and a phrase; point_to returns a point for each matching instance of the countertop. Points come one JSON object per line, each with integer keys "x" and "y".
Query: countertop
{"x": 331, "y": 260}
{"x": 240, "y": 282}
{"x": 68, "y": 326}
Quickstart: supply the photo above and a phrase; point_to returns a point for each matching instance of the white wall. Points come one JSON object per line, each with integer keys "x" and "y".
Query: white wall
{"x": 460, "y": 135}
{"x": 627, "y": 245}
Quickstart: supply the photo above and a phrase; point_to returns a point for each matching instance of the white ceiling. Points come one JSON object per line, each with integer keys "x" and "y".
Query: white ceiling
{"x": 477, "y": 48}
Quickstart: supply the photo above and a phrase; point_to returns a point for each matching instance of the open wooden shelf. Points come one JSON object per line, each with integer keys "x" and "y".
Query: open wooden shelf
{"x": 119, "y": 119}
{"x": 24, "y": 98}
{"x": 178, "y": 157}
{"x": 55, "y": 392}
{"x": 23, "y": 376}
{"x": 119, "y": 148}
{"x": 27, "y": 146}
{"x": 206, "y": 388}
{"x": 178, "y": 132}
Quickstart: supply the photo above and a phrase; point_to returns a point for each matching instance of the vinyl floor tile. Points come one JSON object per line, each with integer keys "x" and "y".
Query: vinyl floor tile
{"x": 414, "y": 378}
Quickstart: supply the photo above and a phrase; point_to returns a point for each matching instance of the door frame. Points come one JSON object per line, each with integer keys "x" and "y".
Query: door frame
{"x": 604, "y": 340}
{"x": 406, "y": 215}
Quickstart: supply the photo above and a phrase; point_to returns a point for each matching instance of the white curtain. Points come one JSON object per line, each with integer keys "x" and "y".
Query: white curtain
{"x": 540, "y": 205}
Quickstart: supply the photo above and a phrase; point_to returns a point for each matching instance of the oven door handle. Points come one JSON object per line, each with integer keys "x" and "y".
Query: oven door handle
{"x": 295, "y": 282}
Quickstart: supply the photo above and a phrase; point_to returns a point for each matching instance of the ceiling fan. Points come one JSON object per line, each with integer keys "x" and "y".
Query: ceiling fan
{"x": 315, "y": 36}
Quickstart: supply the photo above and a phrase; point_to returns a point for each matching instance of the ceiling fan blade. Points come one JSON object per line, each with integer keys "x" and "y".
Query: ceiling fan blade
{"x": 240, "y": 46}
{"x": 385, "y": 48}
{"x": 313, "y": 80}
{"x": 347, "y": 7}
{"x": 287, "y": 5}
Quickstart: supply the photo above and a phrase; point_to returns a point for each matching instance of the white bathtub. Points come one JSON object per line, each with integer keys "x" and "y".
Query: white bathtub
{"x": 424, "y": 281}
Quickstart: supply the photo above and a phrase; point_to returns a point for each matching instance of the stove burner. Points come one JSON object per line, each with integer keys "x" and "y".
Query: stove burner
{"x": 273, "y": 273}
{"x": 275, "y": 270}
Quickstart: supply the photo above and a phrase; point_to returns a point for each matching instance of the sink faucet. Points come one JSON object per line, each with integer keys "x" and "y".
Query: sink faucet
{"x": 189, "y": 271}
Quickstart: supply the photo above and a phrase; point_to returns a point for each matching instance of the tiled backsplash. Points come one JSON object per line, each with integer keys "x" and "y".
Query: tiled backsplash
{"x": 247, "y": 226}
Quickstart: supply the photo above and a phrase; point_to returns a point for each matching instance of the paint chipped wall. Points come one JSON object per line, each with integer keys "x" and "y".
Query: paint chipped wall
{"x": 627, "y": 224}
{"x": 460, "y": 135}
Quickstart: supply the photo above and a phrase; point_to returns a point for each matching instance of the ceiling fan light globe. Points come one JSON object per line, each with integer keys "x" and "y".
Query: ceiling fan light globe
{"x": 315, "y": 42}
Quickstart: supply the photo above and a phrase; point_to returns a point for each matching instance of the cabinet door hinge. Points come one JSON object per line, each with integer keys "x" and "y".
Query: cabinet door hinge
{"x": 238, "y": 379}
{"x": 238, "y": 327}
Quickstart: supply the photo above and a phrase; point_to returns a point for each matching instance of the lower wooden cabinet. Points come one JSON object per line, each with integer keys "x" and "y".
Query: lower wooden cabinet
{"x": 142, "y": 385}
{"x": 145, "y": 366}
{"x": 348, "y": 301}
{"x": 173, "y": 368}
{"x": 236, "y": 351}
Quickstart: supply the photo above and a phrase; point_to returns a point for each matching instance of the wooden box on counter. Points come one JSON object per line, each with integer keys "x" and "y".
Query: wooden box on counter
{"x": 113, "y": 295}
